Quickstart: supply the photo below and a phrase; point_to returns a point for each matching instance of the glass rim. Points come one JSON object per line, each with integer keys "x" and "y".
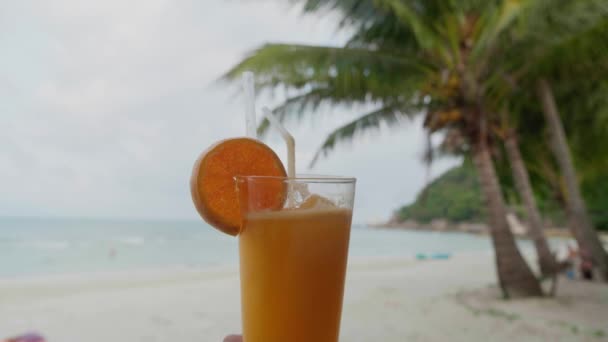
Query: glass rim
{"x": 306, "y": 178}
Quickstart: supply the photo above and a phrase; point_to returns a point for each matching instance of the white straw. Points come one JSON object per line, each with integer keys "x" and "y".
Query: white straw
{"x": 249, "y": 91}
{"x": 289, "y": 141}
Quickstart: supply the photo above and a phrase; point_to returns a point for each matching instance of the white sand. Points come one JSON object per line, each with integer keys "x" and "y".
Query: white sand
{"x": 386, "y": 300}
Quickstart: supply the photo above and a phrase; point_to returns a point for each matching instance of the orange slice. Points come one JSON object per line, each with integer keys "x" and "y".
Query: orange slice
{"x": 212, "y": 184}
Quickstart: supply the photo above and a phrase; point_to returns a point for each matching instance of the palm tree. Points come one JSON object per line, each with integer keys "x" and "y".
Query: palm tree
{"x": 546, "y": 260}
{"x": 427, "y": 57}
{"x": 577, "y": 211}
{"x": 584, "y": 28}
{"x": 548, "y": 265}
{"x": 573, "y": 59}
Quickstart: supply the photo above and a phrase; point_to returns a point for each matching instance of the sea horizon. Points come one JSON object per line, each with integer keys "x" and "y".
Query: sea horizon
{"x": 47, "y": 246}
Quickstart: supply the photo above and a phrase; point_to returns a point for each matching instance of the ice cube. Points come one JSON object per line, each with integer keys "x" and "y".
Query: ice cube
{"x": 317, "y": 202}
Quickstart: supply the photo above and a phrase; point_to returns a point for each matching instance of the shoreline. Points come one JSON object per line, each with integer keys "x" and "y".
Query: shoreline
{"x": 467, "y": 227}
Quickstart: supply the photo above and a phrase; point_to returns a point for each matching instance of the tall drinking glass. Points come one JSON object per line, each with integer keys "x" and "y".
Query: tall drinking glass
{"x": 293, "y": 258}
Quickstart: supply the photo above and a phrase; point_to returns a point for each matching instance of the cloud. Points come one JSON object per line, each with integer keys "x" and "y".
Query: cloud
{"x": 106, "y": 105}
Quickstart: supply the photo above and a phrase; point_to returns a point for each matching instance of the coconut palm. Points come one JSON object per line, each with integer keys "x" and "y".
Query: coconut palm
{"x": 573, "y": 63}
{"x": 428, "y": 57}
{"x": 547, "y": 263}
{"x": 547, "y": 31}
{"x": 503, "y": 131}
{"x": 579, "y": 219}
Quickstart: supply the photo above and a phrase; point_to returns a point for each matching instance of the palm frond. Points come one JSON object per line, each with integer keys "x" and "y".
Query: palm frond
{"x": 360, "y": 72}
{"x": 386, "y": 33}
{"x": 493, "y": 23}
{"x": 306, "y": 102}
{"x": 351, "y": 11}
{"x": 372, "y": 121}
{"x": 408, "y": 16}
{"x": 544, "y": 25}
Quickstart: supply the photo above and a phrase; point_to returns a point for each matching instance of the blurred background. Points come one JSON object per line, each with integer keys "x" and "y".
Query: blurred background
{"x": 475, "y": 129}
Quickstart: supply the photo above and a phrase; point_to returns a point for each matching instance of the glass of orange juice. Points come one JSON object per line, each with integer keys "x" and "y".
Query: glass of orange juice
{"x": 293, "y": 257}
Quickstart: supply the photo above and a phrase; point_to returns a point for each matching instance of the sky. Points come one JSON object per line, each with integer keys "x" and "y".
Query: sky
{"x": 105, "y": 106}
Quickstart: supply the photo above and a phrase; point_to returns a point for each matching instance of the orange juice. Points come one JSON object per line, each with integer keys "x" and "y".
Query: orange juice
{"x": 293, "y": 264}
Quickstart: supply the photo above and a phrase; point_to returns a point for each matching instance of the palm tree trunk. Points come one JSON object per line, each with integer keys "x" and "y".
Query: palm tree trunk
{"x": 514, "y": 274}
{"x": 546, "y": 260}
{"x": 579, "y": 221}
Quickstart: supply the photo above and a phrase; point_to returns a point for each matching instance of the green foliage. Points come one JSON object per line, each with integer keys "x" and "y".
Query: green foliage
{"x": 595, "y": 192}
{"x": 580, "y": 84}
{"x": 454, "y": 196}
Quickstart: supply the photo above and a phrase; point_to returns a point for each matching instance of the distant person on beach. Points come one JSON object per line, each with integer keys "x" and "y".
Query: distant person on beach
{"x": 586, "y": 265}
{"x": 112, "y": 253}
{"x": 573, "y": 259}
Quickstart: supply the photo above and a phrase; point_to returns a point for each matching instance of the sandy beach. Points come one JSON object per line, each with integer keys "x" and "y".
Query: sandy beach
{"x": 387, "y": 299}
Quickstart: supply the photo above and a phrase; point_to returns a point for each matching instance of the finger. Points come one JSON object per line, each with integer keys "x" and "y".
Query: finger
{"x": 233, "y": 338}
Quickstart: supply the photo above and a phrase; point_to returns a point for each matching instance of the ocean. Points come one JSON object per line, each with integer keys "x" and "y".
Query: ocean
{"x": 31, "y": 246}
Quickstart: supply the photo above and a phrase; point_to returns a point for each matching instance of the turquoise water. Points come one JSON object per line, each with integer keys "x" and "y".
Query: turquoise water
{"x": 51, "y": 246}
